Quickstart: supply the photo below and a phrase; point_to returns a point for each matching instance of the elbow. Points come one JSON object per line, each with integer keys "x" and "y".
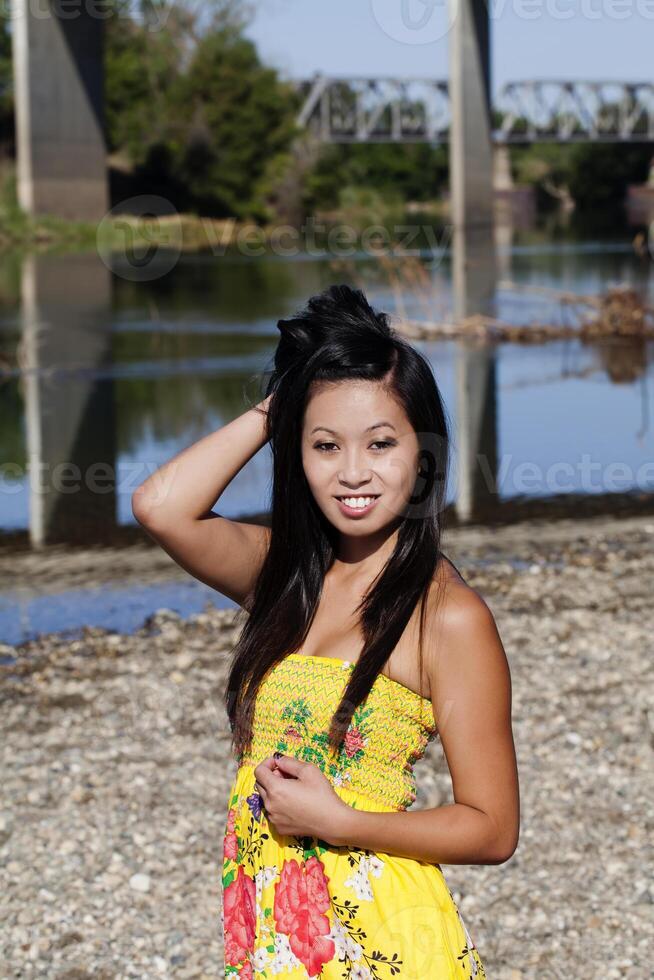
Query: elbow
{"x": 501, "y": 850}
{"x": 140, "y": 506}
{"x": 145, "y": 509}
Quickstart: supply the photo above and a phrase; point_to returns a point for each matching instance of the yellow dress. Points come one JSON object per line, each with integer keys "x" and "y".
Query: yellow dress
{"x": 301, "y": 907}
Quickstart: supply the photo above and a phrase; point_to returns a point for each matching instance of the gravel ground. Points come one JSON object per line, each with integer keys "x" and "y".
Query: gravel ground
{"x": 116, "y": 766}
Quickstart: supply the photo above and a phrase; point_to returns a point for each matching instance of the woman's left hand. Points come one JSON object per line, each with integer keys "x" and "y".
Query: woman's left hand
{"x": 299, "y": 799}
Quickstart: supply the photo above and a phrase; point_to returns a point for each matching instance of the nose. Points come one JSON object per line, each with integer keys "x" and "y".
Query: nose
{"x": 354, "y": 475}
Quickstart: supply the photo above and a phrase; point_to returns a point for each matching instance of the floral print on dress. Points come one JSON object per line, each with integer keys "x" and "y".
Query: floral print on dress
{"x": 298, "y": 739}
{"x": 301, "y": 901}
{"x": 297, "y": 906}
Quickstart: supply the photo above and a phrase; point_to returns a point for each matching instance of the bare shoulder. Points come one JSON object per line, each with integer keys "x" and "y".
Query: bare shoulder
{"x": 463, "y": 634}
{"x": 451, "y": 600}
{"x": 470, "y": 691}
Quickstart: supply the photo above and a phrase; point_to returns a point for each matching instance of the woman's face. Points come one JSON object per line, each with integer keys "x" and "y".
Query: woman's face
{"x": 360, "y": 455}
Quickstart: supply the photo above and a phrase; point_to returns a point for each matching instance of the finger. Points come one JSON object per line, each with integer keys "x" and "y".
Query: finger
{"x": 270, "y": 762}
{"x": 290, "y": 765}
{"x": 264, "y": 775}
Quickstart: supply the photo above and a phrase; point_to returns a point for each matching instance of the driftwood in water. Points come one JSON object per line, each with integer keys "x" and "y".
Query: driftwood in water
{"x": 619, "y": 312}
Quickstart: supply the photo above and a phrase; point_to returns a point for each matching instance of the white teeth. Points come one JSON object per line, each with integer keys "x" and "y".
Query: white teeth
{"x": 359, "y": 502}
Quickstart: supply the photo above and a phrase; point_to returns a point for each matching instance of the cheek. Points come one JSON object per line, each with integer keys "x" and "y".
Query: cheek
{"x": 398, "y": 472}
{"x": 317, "y": 472}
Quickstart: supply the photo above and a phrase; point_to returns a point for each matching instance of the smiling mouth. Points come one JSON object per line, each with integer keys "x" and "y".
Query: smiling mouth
{"x": 360, "y": 502}
{"x": 358, "y": 496}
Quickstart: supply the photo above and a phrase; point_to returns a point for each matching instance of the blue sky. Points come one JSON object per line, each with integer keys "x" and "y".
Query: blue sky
{"x": 598, "y": 39}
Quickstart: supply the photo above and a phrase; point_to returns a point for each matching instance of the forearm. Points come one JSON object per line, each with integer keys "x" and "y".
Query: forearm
{"x": 189, "y": 484}
{"x": 451, "y": 834}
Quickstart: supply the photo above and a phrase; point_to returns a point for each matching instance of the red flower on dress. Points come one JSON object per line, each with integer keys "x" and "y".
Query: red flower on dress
{"x": 301, "y": 899}
{"x": 293, "y": 735}
{"x": 230, "y": 847}
{"x": 239, "y": 917}
{"x": 231, "y": 819}
{"x": 353, "y": 741}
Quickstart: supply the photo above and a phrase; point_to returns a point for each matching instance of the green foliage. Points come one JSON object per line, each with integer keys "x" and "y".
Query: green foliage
{"x": 363, "y": 207}
{"x": 547, "y": 167}
{"x": 539, "y": 162}
{"x": 140, "y": 70}
{"x": 600, "y": 173}
{"x": 193, "y": 108}
{"x": 595, "y": 175}
{"x": 414, "y": 171}
{"x": 233, "y": 116}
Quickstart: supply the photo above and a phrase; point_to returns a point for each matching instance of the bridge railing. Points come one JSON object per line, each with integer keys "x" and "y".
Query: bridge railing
{"x": 385, "y": 109}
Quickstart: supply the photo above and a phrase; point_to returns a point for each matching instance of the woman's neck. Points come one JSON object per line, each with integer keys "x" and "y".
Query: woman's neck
{"x": 360, "y": 558}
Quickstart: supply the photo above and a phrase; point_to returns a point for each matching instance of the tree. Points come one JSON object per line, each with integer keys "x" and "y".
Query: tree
{"x": 414, "y": 171}
{"x": 601, "y": 172}
{"x": 191, "y": 106}
{"x": 231, "y": 116}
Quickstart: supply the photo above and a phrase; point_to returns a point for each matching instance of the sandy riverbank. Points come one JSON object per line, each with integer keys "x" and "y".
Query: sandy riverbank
{"x": 116, "y": 766}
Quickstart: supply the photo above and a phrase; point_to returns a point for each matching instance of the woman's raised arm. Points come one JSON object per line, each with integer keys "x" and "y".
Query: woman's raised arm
{"x": 175, "y": 503}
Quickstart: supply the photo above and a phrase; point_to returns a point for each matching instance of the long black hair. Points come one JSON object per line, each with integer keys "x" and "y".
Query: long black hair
{"x": 338, "y": 336}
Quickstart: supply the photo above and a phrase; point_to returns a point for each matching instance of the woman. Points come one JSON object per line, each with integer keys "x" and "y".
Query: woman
{"x": 363, "y": 642}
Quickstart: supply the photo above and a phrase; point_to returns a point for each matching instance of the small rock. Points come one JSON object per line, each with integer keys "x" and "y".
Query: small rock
{"x": 140, "y": 882}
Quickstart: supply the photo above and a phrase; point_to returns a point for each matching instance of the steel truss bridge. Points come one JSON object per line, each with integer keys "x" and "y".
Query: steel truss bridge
{"x": 417, "y": 110}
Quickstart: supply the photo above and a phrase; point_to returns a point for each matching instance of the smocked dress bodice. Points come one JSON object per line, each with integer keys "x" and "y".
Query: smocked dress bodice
{"x": 387, "y": 735}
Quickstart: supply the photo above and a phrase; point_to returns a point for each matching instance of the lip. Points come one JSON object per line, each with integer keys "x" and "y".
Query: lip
{"x": 357, "y": 512}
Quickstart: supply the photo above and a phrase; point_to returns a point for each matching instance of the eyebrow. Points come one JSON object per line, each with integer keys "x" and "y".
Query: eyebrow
{"x": 376, "y": 425}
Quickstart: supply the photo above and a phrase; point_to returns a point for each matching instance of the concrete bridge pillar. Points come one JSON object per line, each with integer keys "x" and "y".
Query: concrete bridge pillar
{"x": 502, "y": 176}
{"x": 58, "y": 86}
{"x": 471, "y": 151}
{"x": 471, "y": 158}
{"x": 473, "y": 270}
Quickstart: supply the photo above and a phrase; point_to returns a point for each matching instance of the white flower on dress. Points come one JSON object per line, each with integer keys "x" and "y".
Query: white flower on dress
{"x": 262, "y": 878}
{"x": 361, "y": 972}
{"x": 259, "y": 959}
{"x": 266, "y": 874}
{"x": 360, "y": 880}
{"x": 376, "y": 865}
{"x": 344, "y": 944}
{"x": 285, "y": 958}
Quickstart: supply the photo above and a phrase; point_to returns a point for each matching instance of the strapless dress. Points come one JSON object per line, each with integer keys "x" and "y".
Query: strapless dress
{"x": 297, "y": 906}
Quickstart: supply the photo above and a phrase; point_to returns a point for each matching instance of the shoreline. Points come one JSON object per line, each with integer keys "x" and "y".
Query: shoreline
{"x": 133, "y": 556}
{"x": 117, "y": 765}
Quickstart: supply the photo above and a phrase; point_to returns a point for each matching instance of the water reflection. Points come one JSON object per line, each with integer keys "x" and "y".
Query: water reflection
{"x": 106, "y": 378}
{"x": 473, "y": 282}
{"x": 70, "y": 428}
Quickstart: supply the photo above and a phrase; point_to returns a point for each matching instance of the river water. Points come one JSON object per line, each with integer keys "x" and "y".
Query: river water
{"x": 104, "y": 378}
